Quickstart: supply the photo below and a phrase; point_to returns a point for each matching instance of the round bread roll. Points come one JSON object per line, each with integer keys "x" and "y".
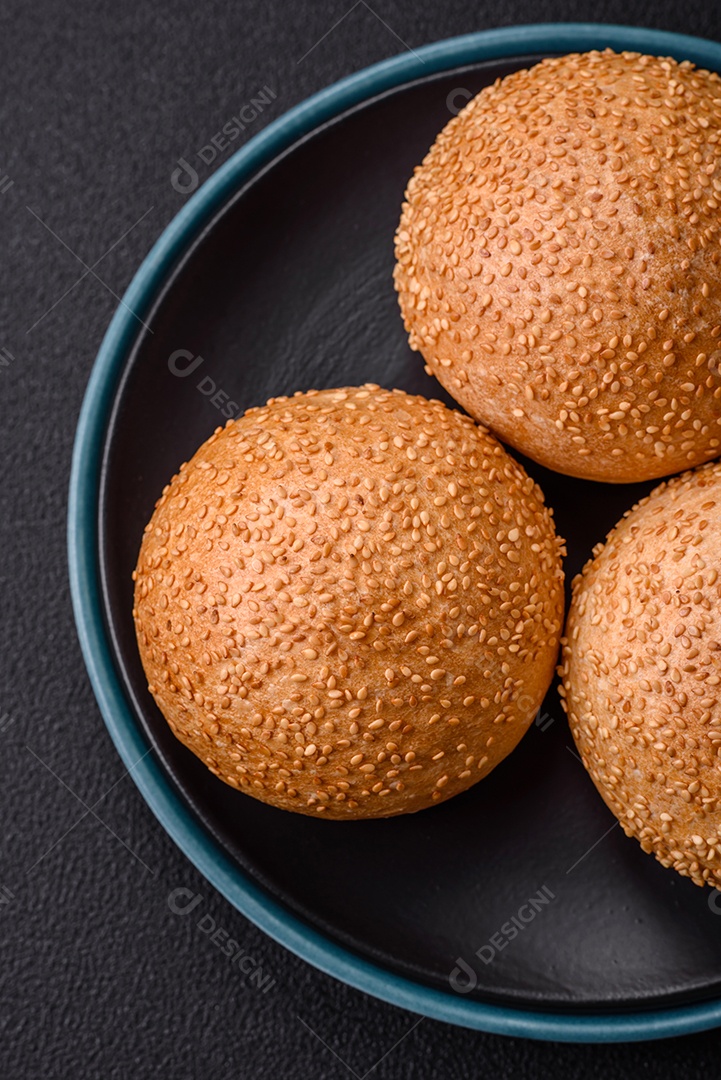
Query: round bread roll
{"x": 642, "y": 673}
{"x": 349, "y": 603}
{"x": 558, "y": 263}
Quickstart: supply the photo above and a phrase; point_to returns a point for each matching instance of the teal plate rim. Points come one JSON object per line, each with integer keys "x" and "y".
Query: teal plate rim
{"x": 125, "y": 730}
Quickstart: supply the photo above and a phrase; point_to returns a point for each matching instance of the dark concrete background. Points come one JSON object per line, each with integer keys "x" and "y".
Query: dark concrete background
{"x": 98, "y": 977}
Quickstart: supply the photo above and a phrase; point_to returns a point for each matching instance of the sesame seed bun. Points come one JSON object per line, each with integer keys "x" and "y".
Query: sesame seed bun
{"x": 642, "y": 671}
{"x": 349, "y": 602}
{"x": 558, "y": 263}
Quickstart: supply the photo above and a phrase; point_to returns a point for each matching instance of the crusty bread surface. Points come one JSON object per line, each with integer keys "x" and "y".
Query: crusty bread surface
{"x": 642, "y": 671}
{"x": 348, "y": 603}
{"x": 558, "y": 263}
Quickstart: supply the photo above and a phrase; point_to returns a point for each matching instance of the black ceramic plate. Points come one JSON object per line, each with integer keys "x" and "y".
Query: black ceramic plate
{"x": 289, "y": 287}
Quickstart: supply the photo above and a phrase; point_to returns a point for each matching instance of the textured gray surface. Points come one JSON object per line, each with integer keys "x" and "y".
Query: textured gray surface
{"x": 99, "y": 978}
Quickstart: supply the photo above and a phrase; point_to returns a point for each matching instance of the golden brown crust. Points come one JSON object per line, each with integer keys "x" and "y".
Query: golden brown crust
{"x": 350, "y": 602}
{"x": 642, "y": 669}
{"x": 558, "y": 263}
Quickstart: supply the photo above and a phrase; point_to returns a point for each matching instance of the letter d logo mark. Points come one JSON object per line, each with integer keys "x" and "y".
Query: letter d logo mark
{"x": 186, "y": 369}
{"x": 183, "y": 901}
{"x": 184, "y": 178}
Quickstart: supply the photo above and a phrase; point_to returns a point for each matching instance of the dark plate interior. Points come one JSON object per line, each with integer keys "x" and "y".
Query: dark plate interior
{"x": 290, "y": 288}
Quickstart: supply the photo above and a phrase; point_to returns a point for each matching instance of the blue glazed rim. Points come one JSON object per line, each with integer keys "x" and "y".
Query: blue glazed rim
{"x": 172, "y": 813}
